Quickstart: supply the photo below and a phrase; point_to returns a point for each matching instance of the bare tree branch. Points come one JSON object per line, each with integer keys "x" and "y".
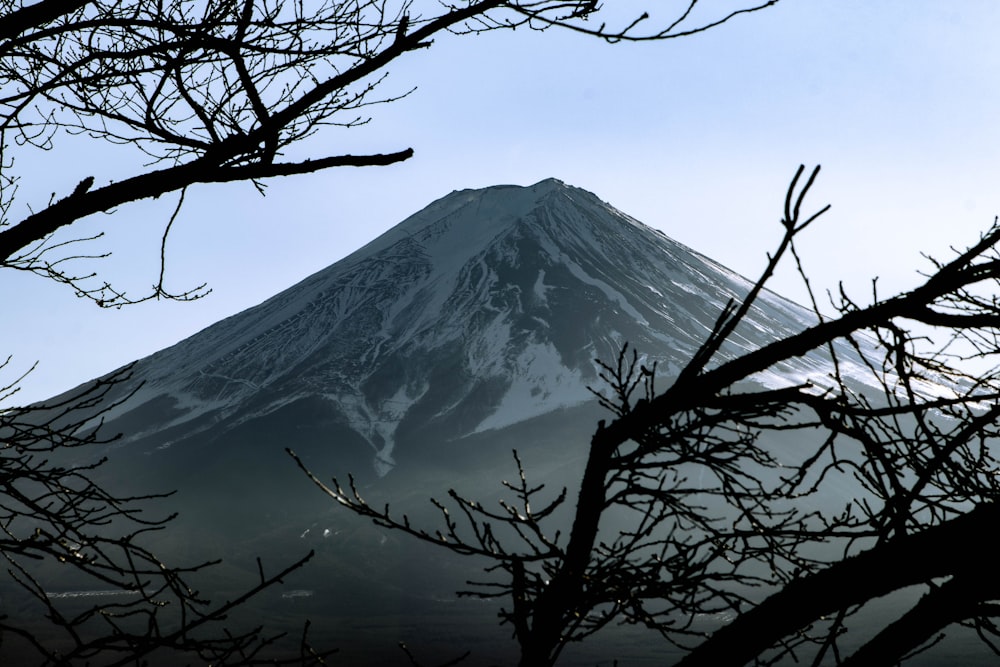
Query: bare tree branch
{"x": 719, "y": 517}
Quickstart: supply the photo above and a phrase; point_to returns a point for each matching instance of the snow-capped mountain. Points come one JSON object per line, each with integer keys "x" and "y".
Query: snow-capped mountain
{"x": 484, "y": 309}
{"x": 469, "y": 329}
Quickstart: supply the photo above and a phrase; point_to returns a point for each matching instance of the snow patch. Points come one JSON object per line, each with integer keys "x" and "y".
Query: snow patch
{"x": 540, "y": 289}
{"x": 378, "y": 423}
{"x": 540, "y": 383}
{"x": 486, "y": 353}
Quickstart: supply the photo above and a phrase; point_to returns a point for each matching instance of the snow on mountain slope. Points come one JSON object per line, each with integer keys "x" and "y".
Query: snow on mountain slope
{"x": 486, "y": 308}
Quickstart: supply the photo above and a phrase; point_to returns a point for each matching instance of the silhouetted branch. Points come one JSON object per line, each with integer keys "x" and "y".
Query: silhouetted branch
{"x": 52, "y": 512}
{"x": 221, "y": 93}
{"x": 718, "y": 517}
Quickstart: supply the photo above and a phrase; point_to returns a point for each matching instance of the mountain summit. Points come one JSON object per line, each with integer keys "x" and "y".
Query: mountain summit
{"x": 484, "y": 309}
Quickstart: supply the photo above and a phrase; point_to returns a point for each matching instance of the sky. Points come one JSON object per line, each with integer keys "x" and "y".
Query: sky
{"x": 898, "y": 100}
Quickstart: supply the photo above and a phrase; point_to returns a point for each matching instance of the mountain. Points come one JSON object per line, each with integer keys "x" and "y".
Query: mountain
{"x": 484, "y": 309}
{"x": 416, "y": 363}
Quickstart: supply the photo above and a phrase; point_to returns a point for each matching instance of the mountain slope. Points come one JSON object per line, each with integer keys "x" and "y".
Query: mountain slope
{"x": 484, "y": 309}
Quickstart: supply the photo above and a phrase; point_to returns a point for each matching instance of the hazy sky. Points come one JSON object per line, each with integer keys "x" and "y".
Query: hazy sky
{"x": 897, "y": 99}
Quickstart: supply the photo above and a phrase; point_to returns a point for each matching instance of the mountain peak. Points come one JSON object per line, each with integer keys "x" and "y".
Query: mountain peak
{"x": 465, "y": 221}
{"x": 549, "y": 182}
{"x": 534, "y": 191}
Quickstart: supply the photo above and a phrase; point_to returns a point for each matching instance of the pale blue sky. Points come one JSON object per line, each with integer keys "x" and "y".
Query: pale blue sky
{"x": 897, "y": 99}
